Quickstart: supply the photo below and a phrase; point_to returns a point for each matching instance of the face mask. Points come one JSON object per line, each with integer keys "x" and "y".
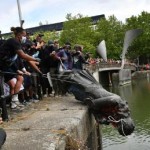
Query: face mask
{"x": 23, "y": 39}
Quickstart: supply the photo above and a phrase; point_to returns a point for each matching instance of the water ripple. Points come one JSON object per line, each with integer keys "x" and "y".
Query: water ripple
{"x": 140, "y": 139}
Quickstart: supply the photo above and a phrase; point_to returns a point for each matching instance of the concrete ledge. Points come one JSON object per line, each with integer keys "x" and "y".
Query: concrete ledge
{"x": 49, "y": 125}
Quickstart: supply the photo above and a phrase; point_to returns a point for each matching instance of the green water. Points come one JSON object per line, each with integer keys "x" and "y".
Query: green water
{"x": 138, "y": 96}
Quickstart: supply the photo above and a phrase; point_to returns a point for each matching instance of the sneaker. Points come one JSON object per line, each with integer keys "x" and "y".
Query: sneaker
{"x": 25, "y": 103}
{"x": 17, "y": 109}
{"x": 35, "y": 96}
{"x": 45, "y": 95}
{"x": 29, "y": 99}
{"x": 50, "y": 95}
{"x": 35, "y": 100}
{"x": 13, "y": 105}
{"x": 19, "y": 104}
{"x": 15, "y": 98}
{"x": 28, "y": 103}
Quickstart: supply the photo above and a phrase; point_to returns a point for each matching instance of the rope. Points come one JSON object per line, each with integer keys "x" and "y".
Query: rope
{"x": 45, "y": 76}
{"x": 57, "y": 75}
{"x": 13, "y": 73}
{"x": 62, "y": 64}
{"x": 66, "y": 81}
{"x": 112, "y": 119}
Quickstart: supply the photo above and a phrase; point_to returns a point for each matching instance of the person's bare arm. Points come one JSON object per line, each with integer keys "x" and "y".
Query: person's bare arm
{"x": 1, "y": 121}
{"x": 32, "y": 61}
{"x": 34, "y": 65}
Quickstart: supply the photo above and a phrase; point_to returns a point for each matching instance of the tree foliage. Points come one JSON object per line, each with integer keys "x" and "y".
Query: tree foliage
{"x": 141, "y": 46}
{"x": 78, "y": 30}
{"x": 112, "y": 32}
{"x": 53, "y": 35}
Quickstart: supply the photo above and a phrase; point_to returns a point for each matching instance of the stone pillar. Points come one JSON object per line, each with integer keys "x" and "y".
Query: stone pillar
{"x": 124, "y": 76}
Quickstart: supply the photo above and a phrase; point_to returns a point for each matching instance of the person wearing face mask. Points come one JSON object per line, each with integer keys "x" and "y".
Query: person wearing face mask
{"x": 9, "y": 51}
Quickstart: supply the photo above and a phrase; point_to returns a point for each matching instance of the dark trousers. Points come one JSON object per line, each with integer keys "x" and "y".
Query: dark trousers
{"x": 2, "y": 137}
{"x": 44, "y": 82}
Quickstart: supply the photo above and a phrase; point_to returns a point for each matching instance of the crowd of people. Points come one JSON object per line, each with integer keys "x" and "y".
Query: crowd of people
{"x": 25, "y": 63}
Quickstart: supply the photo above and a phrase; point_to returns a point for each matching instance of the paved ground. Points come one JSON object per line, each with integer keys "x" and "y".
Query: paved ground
{"x": 48, "y": 125}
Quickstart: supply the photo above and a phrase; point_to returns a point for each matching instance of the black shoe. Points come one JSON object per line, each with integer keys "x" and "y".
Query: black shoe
{"x": 35, "y": 96}
{"x": 28, "y": 99}
{"x": 25, "y": 103}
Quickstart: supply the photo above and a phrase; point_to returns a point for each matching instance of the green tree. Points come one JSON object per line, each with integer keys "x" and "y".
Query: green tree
{"x": 78, "y": 30}
{"x": 48, "y": 35}
{"x": 40, "y": 23}
{"x": 112, "y": 32}
{"x": 141, "y": 46}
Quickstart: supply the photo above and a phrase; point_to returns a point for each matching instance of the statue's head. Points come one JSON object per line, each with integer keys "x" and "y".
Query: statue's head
{"x": 125, "y": 126}
{"x": 113, "y": 110}
{"x": 108, "y": 108}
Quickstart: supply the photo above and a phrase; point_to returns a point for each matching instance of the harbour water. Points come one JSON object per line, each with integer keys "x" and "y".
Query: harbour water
{"x": 137, "y": 95}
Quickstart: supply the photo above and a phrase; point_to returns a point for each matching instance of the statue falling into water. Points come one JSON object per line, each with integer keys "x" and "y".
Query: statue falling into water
{"x": 107, "y": 108}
